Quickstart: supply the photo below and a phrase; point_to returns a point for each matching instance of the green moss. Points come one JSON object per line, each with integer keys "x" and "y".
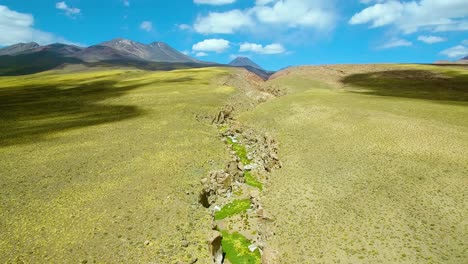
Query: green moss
{"x": 238, "y": 206}
{"x": 223, "y": 128}
{"x": 236, "y": 247}
{"x": 252, "y": 181}
{"x": 240, "y": 150}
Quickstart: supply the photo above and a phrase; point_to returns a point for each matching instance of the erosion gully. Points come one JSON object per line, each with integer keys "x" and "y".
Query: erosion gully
{"x": 232, "y": 195}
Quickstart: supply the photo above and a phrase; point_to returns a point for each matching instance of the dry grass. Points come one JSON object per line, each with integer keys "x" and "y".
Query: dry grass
{"x": 370, "y": 175}
{"x": 95, "y": 164}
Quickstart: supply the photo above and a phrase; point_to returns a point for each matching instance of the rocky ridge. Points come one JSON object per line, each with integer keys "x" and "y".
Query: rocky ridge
{"x": 233, "y": 194}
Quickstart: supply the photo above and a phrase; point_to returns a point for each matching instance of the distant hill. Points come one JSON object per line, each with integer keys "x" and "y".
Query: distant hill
{"x": 29, "y": 63}
{"x": 27, "y": 58}
{"x": 251, "y": 66}
{"x": 463, "y": 60}
{"x": 18, "y": 48}
{"x": 156, "y": 51}
{"x": 245, "y": 62}
{"x": 103, "y": 53}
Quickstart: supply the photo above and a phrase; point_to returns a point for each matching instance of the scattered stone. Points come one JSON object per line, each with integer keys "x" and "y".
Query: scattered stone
{"x": 240, "y": 166}
{"x": 252, "y": 248}
{"x": 254, "y": 194}
{"x": 223, "y": 115}
{"x": 185, "y": 243}
{"x": 214, "y": 243}
{"x": 147, "y": 243}
{"x": 269, "y": 256}
{"x": 250, "y": 167}
{"x": 260, "y": 212}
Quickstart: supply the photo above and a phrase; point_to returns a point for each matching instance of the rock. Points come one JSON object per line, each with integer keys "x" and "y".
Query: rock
{"x": 250, "y": 166}
{"x": 231, "y": 168}
{"x": 260, "y": 212}
{"x": 269, "y": 256}
{"x": 184, "y": 243}
{"x": 254, "y": 194}
{"x": 240, "y": 166}
{"x": 223, "y": 115}
{"x": 214, "y": 243}
{"x": 194, "y": 260}
{"x": 252, "y": 248}
{"x": 147, "y": 243}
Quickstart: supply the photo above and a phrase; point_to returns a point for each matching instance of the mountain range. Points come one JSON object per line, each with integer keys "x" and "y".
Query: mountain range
{"x": 27, "y": 58}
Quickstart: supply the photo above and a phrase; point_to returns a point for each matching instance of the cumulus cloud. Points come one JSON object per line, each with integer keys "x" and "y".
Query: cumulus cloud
{"x": 213, "y": 2}
{"x": 201, "y": 54}
{"x": 18, "y": 27}
{"x": 456, "y": 52}
{"x": 69, "y": 11}
{"x": 216, "y": 45}
{"x": 412, "y": 16}
{"x": 223, "y": 23}
{"x": 431, "y": 39}
{"x": 294, "y": 13}
{"x": 274, "y": 14}
{"x": 371, "y": 1}
{"x": 394, "y": 43}
{"x": 257, "y": 48}
{"x": 184, "y": 27}
{"x": 146, "y": 26}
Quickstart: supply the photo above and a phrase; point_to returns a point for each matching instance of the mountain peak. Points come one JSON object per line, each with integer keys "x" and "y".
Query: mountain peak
{"x": 158, "y": 43}
{"x": 244, "y": 62}
{"x": 18, "y": 48}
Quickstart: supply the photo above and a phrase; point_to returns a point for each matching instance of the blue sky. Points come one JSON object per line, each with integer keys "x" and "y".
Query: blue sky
{"x": 274, "y": 33}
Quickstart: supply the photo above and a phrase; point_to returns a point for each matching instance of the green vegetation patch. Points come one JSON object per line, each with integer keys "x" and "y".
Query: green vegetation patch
{"x": 251, "y": 180}
{"x": 236, "y": 247}
{"x": 240, "y": 150}
{"x": 236, "y": 207}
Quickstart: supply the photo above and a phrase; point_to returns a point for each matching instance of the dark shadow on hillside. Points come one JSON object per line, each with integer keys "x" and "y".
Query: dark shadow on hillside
{"x": 419, "y": 84}
{"x": 27, "y": 114}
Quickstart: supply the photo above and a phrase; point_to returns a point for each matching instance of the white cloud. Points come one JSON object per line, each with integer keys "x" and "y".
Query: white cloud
{"x": 223, "y": 23}
{"x": 146, "y": 26}
{"x": 184, "y": 27}
{"x": 465, "y": 42}
{"x": 455, "y": 52}
{"x": 213, "y": 2}
{"x": 263, "y": 2}
{"x": 18, "y": 27}
{"x": 201, "y": 54}
{"x": 69, "y": 11}
{"x": 431, "y": 39}
{"x": 216, "y": 45}
{"x": 293, "y": 13}
{"x": 396, "y": 43}
{"x": 412, "y": 16}
{"x": 126, "y": 2}
{"x": 276, "y": 15}
{"x": 186, "y": 52}
{"x": 257, "y": 48}
{"x": 370, "y": 1}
